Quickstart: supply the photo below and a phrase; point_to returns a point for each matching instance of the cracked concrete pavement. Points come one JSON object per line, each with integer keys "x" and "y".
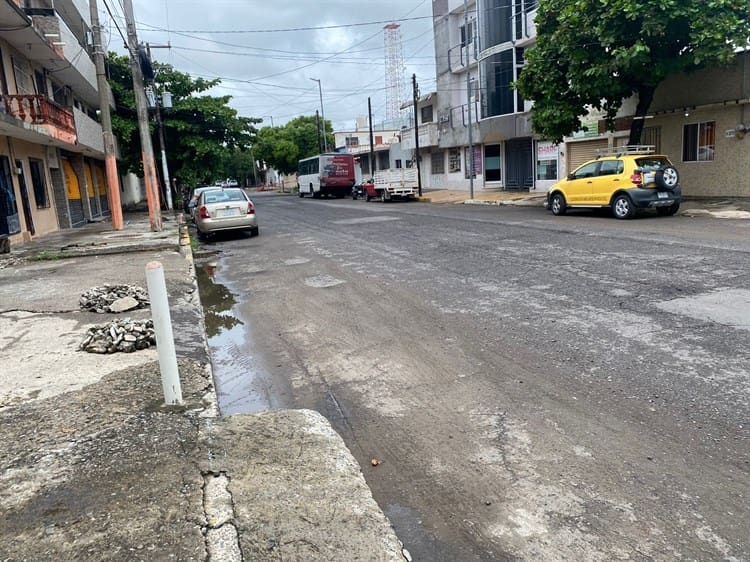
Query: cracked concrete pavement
{"x": 94, "y": 467}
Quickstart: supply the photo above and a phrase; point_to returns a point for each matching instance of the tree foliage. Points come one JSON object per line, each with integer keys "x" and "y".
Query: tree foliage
{"x": 205, "y": 138}
{"x": 281, "y": 147}
{"x": 599, "y": 52}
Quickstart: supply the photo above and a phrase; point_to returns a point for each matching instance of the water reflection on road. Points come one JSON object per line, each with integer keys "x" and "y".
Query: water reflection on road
{"x": 238, "y": 374}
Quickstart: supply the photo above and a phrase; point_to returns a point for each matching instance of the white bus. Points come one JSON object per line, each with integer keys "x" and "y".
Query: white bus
{"x": 326, "y": 174}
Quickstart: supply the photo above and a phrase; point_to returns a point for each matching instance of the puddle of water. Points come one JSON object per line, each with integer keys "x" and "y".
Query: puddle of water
{"x": 241, "y": 383}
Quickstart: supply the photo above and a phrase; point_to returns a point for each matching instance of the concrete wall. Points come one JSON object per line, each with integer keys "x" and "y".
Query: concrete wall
{"x": 132, "y": 190}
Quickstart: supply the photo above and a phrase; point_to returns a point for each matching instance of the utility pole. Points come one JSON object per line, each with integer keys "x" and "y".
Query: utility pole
{"x": 158, "y": 102}
{"x": 470, "y": 155}
{"x": 317, "y": 121}
{"x": 322, "y": 113}
{"x": 415, "y": 95}
{"x": 110, "y": 159}
{"x": 372, "y": 146}
{"x": 147, "y": 149}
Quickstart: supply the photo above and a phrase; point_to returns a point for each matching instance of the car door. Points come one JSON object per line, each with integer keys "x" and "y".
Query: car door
{"x": 578, "y": 187}
{"x": 608, "y": 180}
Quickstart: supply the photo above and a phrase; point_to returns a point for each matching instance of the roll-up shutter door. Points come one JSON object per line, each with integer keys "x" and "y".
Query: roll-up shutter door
{"x": 77, "y": 218}
{"x": 580, "y": 152}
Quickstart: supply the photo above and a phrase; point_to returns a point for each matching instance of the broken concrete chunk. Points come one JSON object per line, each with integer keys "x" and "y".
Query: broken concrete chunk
{"x": 124, "y": 304}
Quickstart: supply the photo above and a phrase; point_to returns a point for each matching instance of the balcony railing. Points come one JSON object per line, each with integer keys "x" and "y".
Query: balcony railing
{"x": 40, "y": 110}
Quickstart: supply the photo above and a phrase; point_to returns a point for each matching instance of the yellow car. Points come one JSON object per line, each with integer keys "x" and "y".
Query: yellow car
{"x": 624, "y": 181}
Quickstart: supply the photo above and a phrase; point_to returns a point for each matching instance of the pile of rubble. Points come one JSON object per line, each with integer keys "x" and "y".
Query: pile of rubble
{"x": 10, "y": 261}
{"x": 119, "y": 335}
{"x": 114, "y": 298}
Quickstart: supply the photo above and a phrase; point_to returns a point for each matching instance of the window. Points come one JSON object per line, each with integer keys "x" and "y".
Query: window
{"x": 699, "y": 142}
{"x": 454, "y": 160}
{"x": 587, "y": 171}
{"x": 652, "y": 136}
{"x": 498, "y": 74}
{"x": 492, "y": 163}
{"x": 398, "y": 164}
{"x": 351, "y": 141}
{"x": 467, "y": 37}
{"x": 378, "y": 140}
{"x": 497, "y": 28}
{"x": 437, "y": 163}
{"x": 611, "y": 167}
{"x": 40, "y": 186}
{"x": 546, "y": 161}
{"x": 426, "y": 113}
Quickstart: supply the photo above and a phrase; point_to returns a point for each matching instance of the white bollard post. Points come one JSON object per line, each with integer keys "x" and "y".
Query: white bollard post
{"x": 157, "y": 294}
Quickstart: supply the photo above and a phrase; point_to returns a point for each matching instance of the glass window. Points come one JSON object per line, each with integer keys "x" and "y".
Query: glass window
{"x": 498, "y": 74}
{"x": 586, "y": 171}
{"x": 437, "y": 163}
{"x": 398, "y": 164}
{"x": 426, "y": 114}
{"x": 611, "y": 167}
{"x": 497, "y": 23}
{"x": 699, "y": 142}
{"x": 40, "y": 185}
{"x": 454, "y": 160}
{"x": 492, "y": 163}
{"x": 352, "y": 141}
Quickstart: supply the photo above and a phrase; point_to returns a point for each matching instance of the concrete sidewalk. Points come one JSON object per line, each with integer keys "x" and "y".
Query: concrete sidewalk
{"x": 93, "y": 466}
{"x": 717, "y": 207}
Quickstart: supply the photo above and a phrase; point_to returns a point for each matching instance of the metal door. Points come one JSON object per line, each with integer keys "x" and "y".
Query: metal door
{"x": 520, "y": 164}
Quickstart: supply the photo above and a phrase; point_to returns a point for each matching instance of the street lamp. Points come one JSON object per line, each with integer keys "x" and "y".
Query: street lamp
{"x": 322, "y": 114}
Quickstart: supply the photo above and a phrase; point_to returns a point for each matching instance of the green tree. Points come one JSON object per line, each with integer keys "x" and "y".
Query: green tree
{"x": 203, "y": 133}
{"x": 599, "y": 52}
{"x": 281, "y": 147}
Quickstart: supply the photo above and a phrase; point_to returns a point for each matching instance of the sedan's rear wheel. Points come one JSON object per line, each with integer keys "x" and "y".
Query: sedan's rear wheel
{"x": 623, "y": 207}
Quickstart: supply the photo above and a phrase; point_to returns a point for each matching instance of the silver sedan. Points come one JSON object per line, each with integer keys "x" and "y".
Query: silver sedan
{"x": 225, "y": 209}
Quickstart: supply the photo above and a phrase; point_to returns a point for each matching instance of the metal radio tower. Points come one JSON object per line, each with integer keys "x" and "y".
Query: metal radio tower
{"x": 395, "y": 86}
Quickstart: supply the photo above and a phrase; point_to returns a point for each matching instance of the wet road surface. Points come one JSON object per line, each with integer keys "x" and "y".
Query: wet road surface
{"x": 535, "y": 387}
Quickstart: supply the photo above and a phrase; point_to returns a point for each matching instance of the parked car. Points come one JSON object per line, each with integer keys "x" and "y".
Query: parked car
{"x": 360, "y": 190}
{"x": 225, "y": 209}
{"x": 193, "y": 201}
{"x": 628, "y": 179}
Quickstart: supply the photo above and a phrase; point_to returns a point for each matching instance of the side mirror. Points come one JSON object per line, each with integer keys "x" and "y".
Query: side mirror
{"x": 571, "y": 177}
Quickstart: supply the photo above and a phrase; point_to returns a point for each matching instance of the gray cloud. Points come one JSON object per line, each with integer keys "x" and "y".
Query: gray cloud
{"x": 268, "y": 74}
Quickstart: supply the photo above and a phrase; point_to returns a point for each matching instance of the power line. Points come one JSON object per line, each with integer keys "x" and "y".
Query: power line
{"x": 291, "y": 29}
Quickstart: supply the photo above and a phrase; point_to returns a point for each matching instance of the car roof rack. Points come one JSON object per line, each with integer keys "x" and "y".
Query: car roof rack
{"x": 628, "y": 149}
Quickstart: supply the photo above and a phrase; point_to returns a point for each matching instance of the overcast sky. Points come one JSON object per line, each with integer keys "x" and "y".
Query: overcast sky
{"x": 268, "y": 74}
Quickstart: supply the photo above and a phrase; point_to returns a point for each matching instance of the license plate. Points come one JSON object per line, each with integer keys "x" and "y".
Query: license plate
{"x": 226, "y": 212}
{"x": 663, "y": 195}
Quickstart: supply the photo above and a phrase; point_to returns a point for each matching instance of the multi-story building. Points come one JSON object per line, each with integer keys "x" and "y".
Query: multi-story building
{"x": 485, "y": 39}
{"x": 51, "y": 147}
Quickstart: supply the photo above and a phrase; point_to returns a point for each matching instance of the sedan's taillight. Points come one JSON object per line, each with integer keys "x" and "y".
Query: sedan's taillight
{"x": 636, "y": 178}
{"x": 250, "y": 208}
{"x": 204, "y": 214}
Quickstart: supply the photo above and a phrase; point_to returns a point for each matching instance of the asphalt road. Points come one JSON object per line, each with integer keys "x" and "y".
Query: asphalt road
{"x": 534, "y": 387}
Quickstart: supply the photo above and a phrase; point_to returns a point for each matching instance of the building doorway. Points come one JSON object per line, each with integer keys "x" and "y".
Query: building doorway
{"x": 25, "y": 201}
{"x": 520, "y": 169}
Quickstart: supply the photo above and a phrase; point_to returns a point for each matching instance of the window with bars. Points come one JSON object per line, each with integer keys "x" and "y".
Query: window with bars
{"x": 454, "y": 160}
{"x": 437, "y": 163}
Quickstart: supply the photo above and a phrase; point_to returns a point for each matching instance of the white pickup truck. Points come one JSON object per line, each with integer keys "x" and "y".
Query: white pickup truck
{"x": 393, "y": 183}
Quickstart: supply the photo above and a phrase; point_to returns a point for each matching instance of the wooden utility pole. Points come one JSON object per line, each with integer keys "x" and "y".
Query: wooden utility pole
{"x": 415, "y": 94}
{"x": 110, "y": 159}
{"x": 147, "y": 149}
